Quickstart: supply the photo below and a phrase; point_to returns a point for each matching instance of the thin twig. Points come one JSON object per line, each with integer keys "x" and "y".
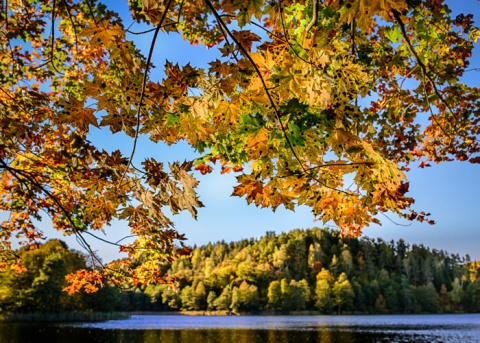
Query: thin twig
{"x": 422, "y": 65}
{"x": 287, "y": 36}
{"x": 6, "y": 15}
{"x": 353, "y": 37}
{"x": 144, "y": 84}
{"x": 314, "y": 17}
{"x": 106, "y": 240}
{"x": 394, "y": 222}
{"x": 91, "y": 11}
{"x": 341, "y": 165}
{"x": 73, "y": 24}
{"x": 52, "y": 60}
{"x": 142, "y": 32}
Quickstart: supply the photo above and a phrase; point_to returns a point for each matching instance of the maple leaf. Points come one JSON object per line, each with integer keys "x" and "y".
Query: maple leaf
{"x": 204, "y": 169}
{"x": 74, "y": 113}
{"x": 187, "y": 198}
{"x": 257, "y": 143}
{"x": 244, "y": 10}
{"x": 248, "y": 187}
{"x": 227, "y": 112}
{"x": 265, "y": 62}
{"x": 246, "y": 38}
{"x": 153, "y": 10}
{"x": 103, "y": 34}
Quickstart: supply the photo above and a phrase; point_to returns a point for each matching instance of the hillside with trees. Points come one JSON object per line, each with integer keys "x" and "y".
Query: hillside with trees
{"x": 315, "y": 270}
{"x": 39, "y": 288}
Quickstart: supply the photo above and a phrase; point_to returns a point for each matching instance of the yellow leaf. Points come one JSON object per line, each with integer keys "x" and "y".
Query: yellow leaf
{"x": 74, "y": 113}
{"x": 257, "y": 143}
{"x": 227, "y": 112}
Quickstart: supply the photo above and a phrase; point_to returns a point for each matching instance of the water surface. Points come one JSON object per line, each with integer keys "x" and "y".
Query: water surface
{"x": 254, "y": 329}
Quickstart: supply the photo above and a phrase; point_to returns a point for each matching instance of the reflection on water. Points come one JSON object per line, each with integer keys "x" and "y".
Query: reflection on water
{"x": 77, "y": 335}
{"x": 280, "y": 329}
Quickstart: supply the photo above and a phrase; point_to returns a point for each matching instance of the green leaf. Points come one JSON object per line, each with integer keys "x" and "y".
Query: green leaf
{"x": 393, "y": 34}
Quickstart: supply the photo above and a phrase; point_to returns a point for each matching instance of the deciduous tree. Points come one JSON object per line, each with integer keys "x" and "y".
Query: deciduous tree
{"x": 342, "y": 292}
{"x": 39, "y": 289}
{"x": 323, "y": 291}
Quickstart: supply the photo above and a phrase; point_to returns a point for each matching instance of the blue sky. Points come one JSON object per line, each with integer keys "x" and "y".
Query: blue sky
{"x": 449, "y": 191}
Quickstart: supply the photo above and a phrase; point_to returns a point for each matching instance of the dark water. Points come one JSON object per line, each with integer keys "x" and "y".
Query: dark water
{"x": 254, "y": 329}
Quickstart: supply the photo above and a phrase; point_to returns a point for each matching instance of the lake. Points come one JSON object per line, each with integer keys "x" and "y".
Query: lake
{"x": 463, "y": 328}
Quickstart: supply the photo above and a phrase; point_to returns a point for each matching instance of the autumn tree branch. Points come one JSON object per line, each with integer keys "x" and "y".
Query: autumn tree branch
{"x": 72, "y": 22}
{"x": 257, "y": 71}
{"x": 52, "y": 36}
{"x": 314, "y": 16}
{"x": 21, "y": 176}
{"x": 144, "y": 84}
{"x": 422, "y": 65}
{"x": 287, "y": 36}
{"x": 270, "y": 98}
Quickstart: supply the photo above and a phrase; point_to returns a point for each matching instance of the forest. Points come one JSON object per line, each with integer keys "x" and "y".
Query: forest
{"x": 315, "y": 270}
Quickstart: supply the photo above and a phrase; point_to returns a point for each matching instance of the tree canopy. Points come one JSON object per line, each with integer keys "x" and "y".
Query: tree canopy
{"x": 319, "y": 103}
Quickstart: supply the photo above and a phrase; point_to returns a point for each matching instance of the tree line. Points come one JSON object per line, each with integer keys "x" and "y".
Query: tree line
{"x": 319, "y": 270}
{"x": 314, "y": 270}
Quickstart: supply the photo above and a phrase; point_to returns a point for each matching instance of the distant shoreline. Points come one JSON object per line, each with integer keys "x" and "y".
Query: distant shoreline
{"x": 226, "y": 313}
{"x": 272, "y": 313}
{"x": 64, "y": 317}
{"x": 70, "y": 317}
